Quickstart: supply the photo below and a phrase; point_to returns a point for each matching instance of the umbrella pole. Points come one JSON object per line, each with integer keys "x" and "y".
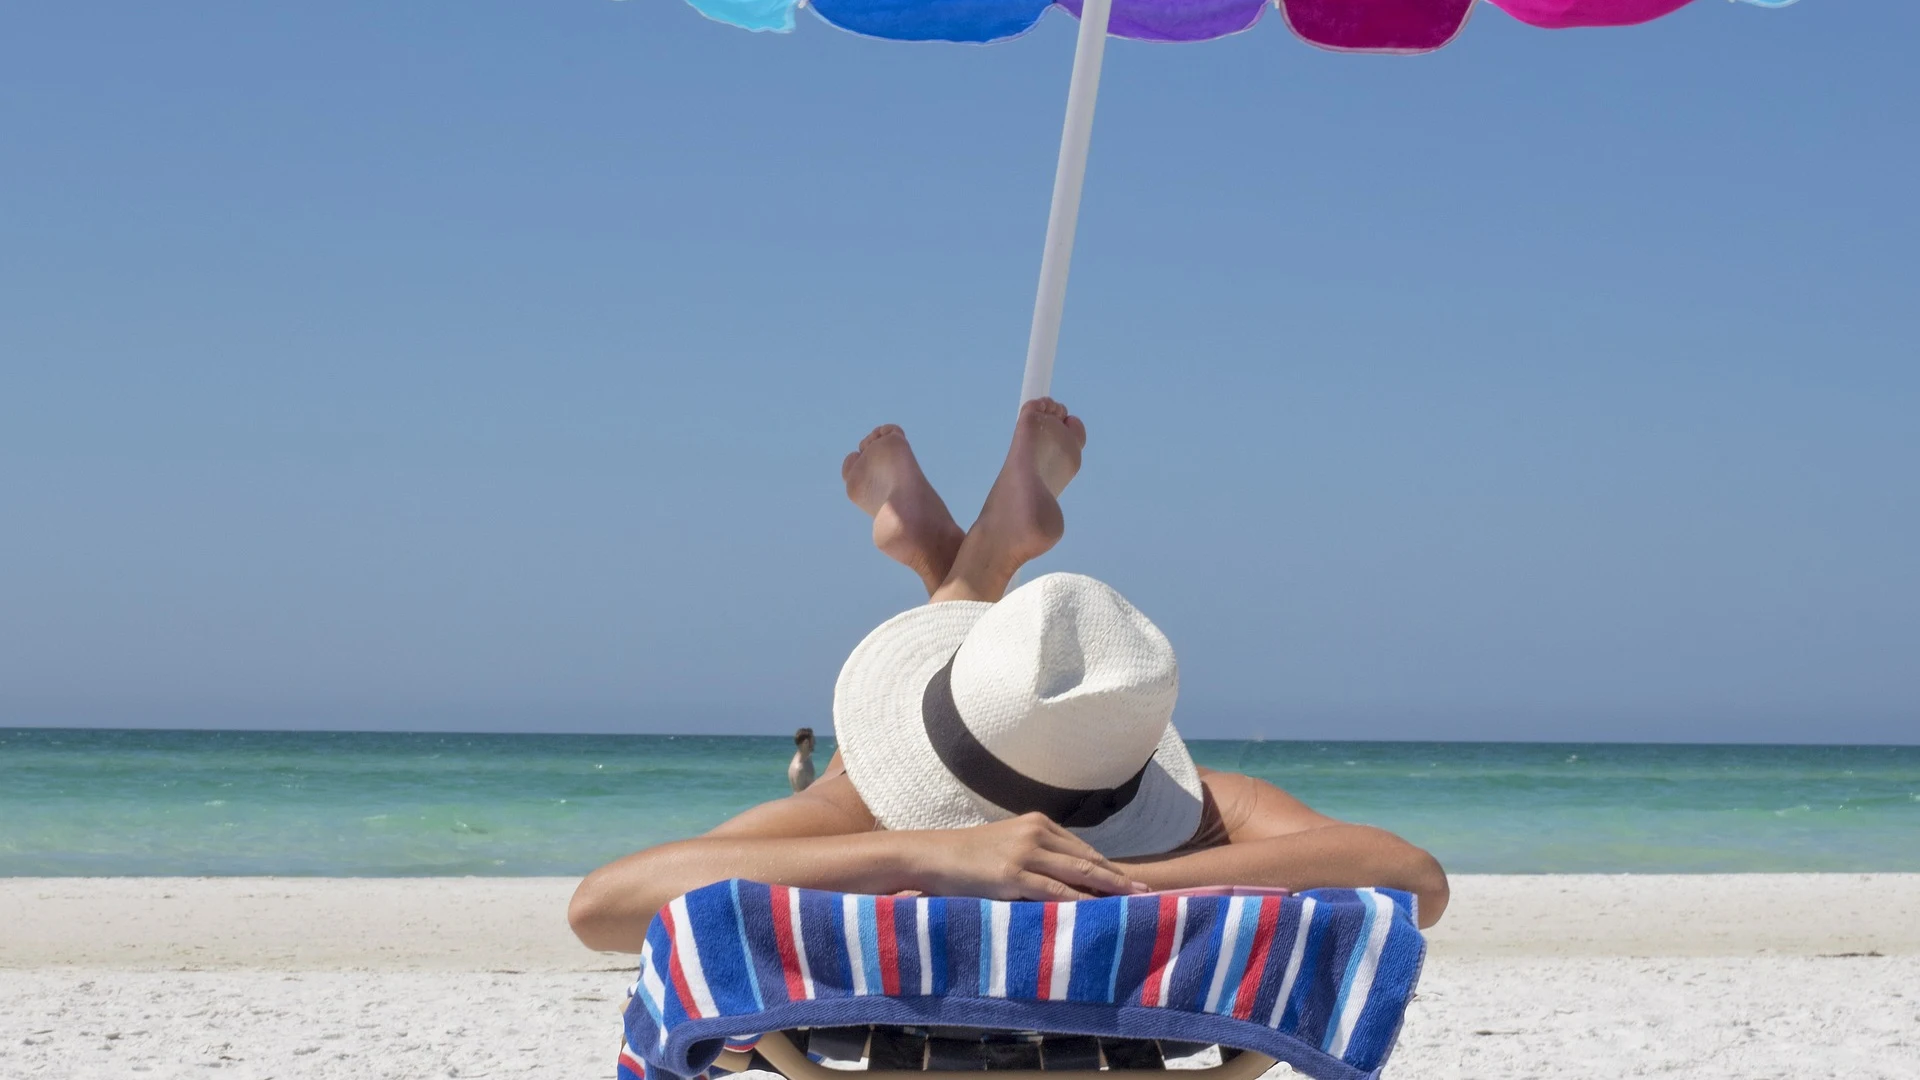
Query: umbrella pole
{"x": 1065, "y": 214}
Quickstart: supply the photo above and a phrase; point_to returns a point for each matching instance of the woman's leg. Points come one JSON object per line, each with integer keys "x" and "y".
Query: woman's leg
{"x": 911, "y": 524}
{"x": 1021, "y": 519}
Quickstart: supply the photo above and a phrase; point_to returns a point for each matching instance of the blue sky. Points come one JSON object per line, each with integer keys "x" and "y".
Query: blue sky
{"x": 489, "y": 365}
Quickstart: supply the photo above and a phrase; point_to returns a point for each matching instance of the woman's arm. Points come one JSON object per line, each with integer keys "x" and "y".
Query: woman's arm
{"x": 810, "y": 838}
{"x": 823, "y": 838}
{"x": 1277, "y": 841}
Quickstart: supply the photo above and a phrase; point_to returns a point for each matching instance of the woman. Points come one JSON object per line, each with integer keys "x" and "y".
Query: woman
{"x": 1013, "y": 747}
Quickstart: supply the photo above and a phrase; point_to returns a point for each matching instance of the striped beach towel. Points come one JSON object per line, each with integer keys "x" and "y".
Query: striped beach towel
{"x": 1319, "y": 979}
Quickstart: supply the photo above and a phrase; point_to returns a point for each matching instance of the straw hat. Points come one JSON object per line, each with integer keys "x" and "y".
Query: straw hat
{"x": 1059, "y": 699}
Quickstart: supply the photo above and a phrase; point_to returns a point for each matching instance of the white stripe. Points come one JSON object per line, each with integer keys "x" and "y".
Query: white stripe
{"x": 850, "y": 921}
{"x": 1173, "y": 957}
{"x": 1228, "y": 939}
{"x": 651, "y": 984}
{"x": 799, "y": 940}
{"x": 1293, "y": 962}
{"x": 926, "y": 948}
{"x": 999, "y": 913}
{"x": 1363, "y": 975}
{"x": 1062, "y": 951}
{"x": 689, "y": 955}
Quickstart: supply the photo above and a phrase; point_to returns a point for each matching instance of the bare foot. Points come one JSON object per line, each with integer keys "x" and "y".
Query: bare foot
{"x": 910, "y": 522}
{"x": 1021, "y": 519}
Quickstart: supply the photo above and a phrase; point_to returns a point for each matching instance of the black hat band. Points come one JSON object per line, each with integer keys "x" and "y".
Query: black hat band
{"x": 1001, "y": 784}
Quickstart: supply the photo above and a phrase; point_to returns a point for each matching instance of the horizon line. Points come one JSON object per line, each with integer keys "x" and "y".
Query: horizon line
{"x": 829, "y": 736}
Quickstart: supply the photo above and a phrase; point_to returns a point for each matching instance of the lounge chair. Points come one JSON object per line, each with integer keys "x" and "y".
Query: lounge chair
{"x": 741, "y": 975}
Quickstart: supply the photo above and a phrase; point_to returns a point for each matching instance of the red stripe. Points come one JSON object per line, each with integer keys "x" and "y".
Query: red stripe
{"x": 783, "y": 938}
{"x": 673, "y": 968}
{"x": 889, "y": 948}
{"x": 1257, "y": 959}
{"x": 632, "y": 1065}
{"x": 1166, "y": 916}
{"x": 1049, "y": 923}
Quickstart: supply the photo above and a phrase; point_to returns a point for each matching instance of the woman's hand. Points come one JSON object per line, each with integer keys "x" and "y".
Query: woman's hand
{"x": 1024, "y": 858}
{"x": 824, "y": 838}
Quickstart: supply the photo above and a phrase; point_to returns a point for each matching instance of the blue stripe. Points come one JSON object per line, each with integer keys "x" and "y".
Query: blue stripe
{"x": 1096, "y": 940}
{"x": 870, "y": 945}
{"x": 906, "y": 945}
{"x": 1242, "y": 949}
{"x": 937, "y": 943}
{"x": 1329, "y": 942}
{"x": 1119, "y": 951}
{"x": 746, "y": 948}
{"x": 1302, "y": 995}
{"x": 1393, "y": 983}
{"x": 824, "y": 932}
{"x": 712, "y": 922}
{"x": 646, "y": 998}
{"x": 963, "y": 945}
{"x": 1136, "y": 952}
{"x": 1025, "y": 925}
{"x": 770, "y": 975}
{"x": 986, "y": 945}
{"x": 1267, "y": 990}
{"x": 1199, "y": 951}
{"x": 661, "y": 941}
{"x": 1354, "y": 957}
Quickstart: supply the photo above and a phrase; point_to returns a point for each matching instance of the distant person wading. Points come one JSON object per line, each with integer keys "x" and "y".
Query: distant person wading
{"x": 800, "y": 769}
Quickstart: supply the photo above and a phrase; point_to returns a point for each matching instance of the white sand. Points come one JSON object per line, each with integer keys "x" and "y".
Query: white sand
{"x": 1748, "y": 977}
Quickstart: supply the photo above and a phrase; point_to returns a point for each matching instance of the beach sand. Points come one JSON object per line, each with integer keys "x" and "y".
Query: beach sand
{"x": 1736, "y": 976}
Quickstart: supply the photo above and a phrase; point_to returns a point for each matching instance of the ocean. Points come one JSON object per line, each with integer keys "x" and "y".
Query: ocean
{"x": 96, "y": 802}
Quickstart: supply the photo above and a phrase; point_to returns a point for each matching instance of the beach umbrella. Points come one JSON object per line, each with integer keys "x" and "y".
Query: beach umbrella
{"x": 1365, "y": 26}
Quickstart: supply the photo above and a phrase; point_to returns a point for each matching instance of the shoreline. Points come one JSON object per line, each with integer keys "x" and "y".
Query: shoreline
{"x": 486, "y": 924}
{"x": 1568, "y": 977}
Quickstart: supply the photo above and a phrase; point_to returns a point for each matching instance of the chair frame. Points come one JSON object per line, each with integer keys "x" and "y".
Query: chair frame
{"x": 794, "y": 1065}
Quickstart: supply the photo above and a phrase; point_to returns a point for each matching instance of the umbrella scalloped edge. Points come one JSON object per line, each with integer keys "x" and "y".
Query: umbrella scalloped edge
{"x": 1380, "y": 26}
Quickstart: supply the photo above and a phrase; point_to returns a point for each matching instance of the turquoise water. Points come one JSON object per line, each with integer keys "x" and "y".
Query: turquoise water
{"x": 179, "y": 802}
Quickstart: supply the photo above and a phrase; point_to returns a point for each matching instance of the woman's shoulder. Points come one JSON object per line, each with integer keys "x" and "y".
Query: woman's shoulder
{"x": 837, "y": 791}
{"x": 1250, "y": 808}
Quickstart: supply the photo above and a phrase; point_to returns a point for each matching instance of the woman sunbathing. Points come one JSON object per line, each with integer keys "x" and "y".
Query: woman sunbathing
{"x": 1010, "y": 746}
